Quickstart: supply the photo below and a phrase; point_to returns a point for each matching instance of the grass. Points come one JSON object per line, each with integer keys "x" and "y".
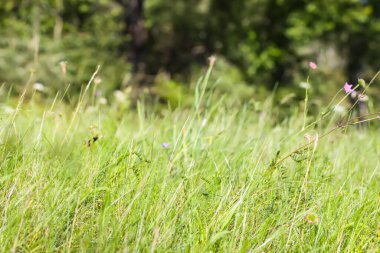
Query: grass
{"x": 98, "y": 179}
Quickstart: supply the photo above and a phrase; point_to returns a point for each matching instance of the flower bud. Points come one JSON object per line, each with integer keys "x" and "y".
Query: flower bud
{"x": 361, "y": 82}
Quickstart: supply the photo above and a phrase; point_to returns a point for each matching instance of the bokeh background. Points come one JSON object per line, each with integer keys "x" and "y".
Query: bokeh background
{"x": 161, "y": 47}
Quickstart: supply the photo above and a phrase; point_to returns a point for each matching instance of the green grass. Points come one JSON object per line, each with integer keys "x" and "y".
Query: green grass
{"x": 212, "y": 190}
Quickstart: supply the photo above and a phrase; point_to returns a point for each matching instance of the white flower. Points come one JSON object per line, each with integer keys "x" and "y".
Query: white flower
{"x": 305, "y": 85}
{"x": 97, "y": 80}
{"x": 103, "y": 101}
{"x": 339, "y": 109}
{"x": 39, "y": 87}
{"x": 120, "y": 96}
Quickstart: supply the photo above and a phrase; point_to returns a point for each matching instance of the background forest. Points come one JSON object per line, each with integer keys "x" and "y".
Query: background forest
{"x": 163, "y": 46}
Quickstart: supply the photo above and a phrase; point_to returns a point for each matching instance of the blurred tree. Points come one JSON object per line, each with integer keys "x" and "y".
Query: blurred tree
{"x": 133, "y": 16}
{"x": 267, "y": 40}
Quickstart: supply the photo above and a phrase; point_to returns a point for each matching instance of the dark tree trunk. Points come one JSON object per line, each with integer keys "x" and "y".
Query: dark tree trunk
{"x": 135, "y": 28}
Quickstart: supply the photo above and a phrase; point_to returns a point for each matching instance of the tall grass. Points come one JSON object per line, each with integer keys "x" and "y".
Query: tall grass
{"x": 93, "y": 178}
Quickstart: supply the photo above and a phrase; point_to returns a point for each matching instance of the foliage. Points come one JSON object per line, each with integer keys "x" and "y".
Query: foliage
{"x": 37, "y": 39}
{"x": 268, "y": 41}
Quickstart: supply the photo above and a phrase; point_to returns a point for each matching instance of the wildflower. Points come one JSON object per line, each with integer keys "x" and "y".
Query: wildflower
{"x": 103, "y": 101}
{"x": 98, "y": 93}
{"x": 339, "y": 109}
{"x": 39, "y": 87}
{"x": 363, "y": 97}
{"x": 313, "y": 65}
{"x": 348, "y": 88}
{"x": 63, "y": 65}
{"x": 165, "y": 145}
{"x": 305, "y": 85}
{"x": 97, "y": 80}
{"x": 120, "y": 96}
{"x": 212, "y": 60}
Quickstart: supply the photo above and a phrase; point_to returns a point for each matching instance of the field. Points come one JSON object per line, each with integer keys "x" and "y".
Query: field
{"x": 100, "y": 178}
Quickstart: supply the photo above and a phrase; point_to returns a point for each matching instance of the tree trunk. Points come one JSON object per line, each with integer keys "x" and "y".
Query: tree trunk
{"x": 135, "y": 28}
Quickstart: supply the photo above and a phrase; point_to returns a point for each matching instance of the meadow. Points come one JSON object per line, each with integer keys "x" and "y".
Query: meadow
{"x": 89, "y": 177}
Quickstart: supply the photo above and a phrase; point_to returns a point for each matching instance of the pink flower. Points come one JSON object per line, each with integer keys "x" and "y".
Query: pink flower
{"x": 313, "y": 65}
{"x": 348, "y": 88}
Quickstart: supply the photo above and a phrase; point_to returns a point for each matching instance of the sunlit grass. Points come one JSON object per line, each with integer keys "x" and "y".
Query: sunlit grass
{"x": 103, "y": 181}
